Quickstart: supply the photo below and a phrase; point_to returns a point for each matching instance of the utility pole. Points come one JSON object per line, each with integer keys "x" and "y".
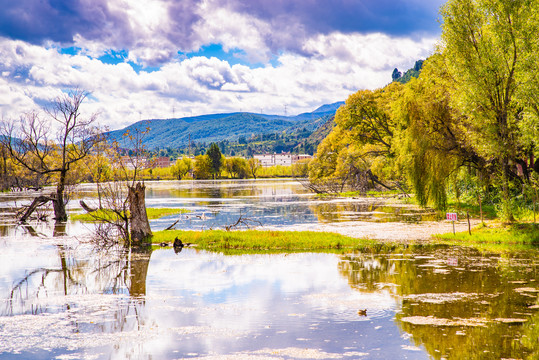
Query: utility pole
{"x": 285, "y": 110}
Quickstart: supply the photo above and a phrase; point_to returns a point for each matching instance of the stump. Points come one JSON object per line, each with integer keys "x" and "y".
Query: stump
{"x": 140, "y": 226}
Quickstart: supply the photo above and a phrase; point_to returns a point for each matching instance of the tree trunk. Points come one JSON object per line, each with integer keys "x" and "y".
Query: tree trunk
{"x": 481, "y": 207}
{"x": 140, "y": 227}
{"x": 506, "y": 201}
{"x": 60, "y": 213}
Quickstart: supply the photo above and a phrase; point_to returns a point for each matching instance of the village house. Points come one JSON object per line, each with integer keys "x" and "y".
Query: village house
{"x": 163, "y": 162}
{"x": 283, "y": 159}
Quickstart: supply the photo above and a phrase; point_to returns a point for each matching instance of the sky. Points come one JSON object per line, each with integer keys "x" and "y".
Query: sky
{"x": 148, "y": 59}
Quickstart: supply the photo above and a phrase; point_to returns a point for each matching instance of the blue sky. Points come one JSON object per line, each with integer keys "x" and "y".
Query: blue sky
{"x": 165, "y": 58}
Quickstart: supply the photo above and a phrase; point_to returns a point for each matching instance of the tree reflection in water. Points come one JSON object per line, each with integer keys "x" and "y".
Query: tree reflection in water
{"x": 469, "y": 310}
{"x": 63, "y": 287}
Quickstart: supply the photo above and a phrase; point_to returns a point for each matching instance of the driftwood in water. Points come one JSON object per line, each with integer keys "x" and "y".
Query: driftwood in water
{"x": 39, "y": 201}
{"x": 247, "y": 222}
{"x": 140, "y": 226}
{"x": 86, "y": 207}
{"x": 172, "y": 226}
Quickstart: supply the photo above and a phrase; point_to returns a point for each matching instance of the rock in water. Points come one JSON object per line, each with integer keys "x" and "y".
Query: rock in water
{"x": 178, "y": 243}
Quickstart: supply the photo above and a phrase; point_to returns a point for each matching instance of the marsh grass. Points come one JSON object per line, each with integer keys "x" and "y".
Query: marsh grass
{"x": 256, "y": 241}
{"x": 105, "y": 214}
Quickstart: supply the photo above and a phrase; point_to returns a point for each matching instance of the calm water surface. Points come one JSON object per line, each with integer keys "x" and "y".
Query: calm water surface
{"x": 271, "y": 202}
{"x": 63, "y": 298}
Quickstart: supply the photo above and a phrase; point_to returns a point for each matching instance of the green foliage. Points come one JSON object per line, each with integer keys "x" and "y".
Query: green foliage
{"x": 519, "y": 234}
{"x": 465, "y": 124}
{"x": 359, "y": 148}
{"x": 487, "y": 46}
{"x": 409, "y": 74}
{"x": 396, "y": 74}
{"x": 109, "y": 215}
{"x": 203, "y": 167}
{"x": 274, "y": 171}
{"x": 182, "y": 167}
{"x": 215, "y": 156}
{"x": 237, "y": 167}
{"x": 253, "y": 166}
{"x": 300, "y": 169}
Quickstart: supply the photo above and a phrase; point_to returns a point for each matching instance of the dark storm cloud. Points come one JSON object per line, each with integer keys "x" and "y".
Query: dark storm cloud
{"x": 292, "y": 21}
{"x": 37, "y": 21}
{"x": 394, "y": 17}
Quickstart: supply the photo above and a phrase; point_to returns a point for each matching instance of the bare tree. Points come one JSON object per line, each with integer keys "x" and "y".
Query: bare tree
{"x": 123, "y": 199}
{"x": 139, "y": 230}
{"x": 51, "y": 145}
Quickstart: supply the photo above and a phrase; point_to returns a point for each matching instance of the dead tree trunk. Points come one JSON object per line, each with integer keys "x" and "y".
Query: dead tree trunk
{"x": 140, "y": 227}
{"x": 40, "y": 200}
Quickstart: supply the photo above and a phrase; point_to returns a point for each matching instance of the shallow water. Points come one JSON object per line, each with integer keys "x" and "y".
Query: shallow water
{"x": 268, "y": 202}
{"x": 63, "y": 298}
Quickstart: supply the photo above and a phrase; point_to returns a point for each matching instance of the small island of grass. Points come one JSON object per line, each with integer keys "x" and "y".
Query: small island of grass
{"x": 256, "y": 241}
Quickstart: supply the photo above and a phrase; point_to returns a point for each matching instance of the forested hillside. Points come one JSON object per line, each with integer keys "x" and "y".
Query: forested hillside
{"x": 237, "y": 133}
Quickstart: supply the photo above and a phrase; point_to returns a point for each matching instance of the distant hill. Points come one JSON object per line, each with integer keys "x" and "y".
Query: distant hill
{"x": 175, "y": 133}
{"x": 311, "y": 143}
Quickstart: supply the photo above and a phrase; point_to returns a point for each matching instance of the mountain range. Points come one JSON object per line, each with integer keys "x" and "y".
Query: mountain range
{"x": 176, "y": 133}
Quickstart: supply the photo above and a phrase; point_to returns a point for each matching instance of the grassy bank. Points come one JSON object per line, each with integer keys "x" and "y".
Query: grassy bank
{"x": 255, "y": 241}
{"x": 508, "y": 236}
{"x": 153, "y": 213}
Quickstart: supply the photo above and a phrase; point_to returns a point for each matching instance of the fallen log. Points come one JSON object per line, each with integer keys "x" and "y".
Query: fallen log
{"x": 38, "y": 201}
{"x": 86, "y": 207}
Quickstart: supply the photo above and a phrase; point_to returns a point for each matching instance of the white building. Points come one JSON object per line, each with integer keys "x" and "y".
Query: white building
{"x": 283, "y": 159}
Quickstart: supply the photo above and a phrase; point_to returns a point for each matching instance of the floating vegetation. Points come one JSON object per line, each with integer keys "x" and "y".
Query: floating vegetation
{"x": 436, "y": 321}
{"x": 442, "y": 298}
{"x": 527, "y": 290}
{"x": 511, "y": 320}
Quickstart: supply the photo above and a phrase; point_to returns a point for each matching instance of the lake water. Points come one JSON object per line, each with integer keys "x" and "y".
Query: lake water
{"x": 63, "y": 298}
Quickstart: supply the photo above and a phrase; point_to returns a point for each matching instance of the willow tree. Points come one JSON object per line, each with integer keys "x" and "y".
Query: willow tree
{"x": 431, "y": 143}
{"x": 484, "y": 44}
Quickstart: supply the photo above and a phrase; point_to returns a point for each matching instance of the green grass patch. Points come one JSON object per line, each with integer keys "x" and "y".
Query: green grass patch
{"x": 489, "y": 211}
{"x": 105, "y": 214}
{"x": 156, "y": 213}
{"x": 495, "y": 237}
{"x": 255, "y": 241}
